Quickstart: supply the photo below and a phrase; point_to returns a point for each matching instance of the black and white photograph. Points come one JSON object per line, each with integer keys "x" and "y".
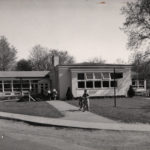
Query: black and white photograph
{"x": 74, "y": 74}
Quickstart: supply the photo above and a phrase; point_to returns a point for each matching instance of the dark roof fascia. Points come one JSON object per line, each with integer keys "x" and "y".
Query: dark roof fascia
{"x": 77, "y": 66}
{"x": 17, "y": 75}
{"x": 23, "y": 78}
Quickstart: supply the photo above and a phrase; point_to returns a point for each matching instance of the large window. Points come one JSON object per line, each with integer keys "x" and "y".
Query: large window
{"x": 98, "y": 84}
{"x": 106, "y": 84}
{"x": 141, "y": 84}
{"x": 34, "y": 86}
{"x": 117, "y": 75}
{"x": 25, "y": 85}
{"x": 113, "y": 84}
{"x": 81, "y": 80}
{"x": 95, "y": 80}
{"x": 46, "y": 86}
{"x": 89, "y": 76}
{"x": 17, "y": 85}
{"x": 80, "y": 76}
{"x": 81, "y": 84}
{"x": 106, "y": 75}
{"x": 138, "y": 83}
{"x": 34, "y": 81}
{"x": 7, "y": 86}
{"x": 98, "y": 75}
{"x": 89, "y": 84}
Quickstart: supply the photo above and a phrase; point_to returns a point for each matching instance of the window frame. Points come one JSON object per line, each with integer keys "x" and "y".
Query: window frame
{"x": 106, "y": 86}
{"x": 6, "y": 89}
{"x": 81, "y": 87}
{"x": 108, "y": 75}
{"x": 25, "y": 82}
{"x": 137, "y": 84}
{"x": 16, "y": 89}
{"x": 88, "y": 82}
{"x": 94, "y": 79}
{"x": 100, "y": 84}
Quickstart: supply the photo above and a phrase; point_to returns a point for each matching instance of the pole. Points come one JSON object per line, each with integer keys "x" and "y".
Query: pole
{"x": 114, "y": 87}
{"x": 21, "y": 86}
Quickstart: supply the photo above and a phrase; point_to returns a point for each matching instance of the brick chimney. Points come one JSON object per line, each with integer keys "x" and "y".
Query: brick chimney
{"x": 55, "y": 60}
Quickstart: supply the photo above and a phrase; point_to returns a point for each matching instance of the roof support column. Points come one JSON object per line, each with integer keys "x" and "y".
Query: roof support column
{"x": 3, "y": 86}
{"x": 12, "y": 87}
{"x": 30, "y": 85}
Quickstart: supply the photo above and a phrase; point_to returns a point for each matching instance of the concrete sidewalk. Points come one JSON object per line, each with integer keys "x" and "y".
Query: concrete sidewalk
{"x": 75, "y": 124}
{"x": 76, "y": 119}
{"x": 73, "y": 113}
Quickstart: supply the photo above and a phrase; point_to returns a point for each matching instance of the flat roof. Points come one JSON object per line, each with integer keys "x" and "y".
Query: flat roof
{"x": 94, "y": 65}
{"x": 31, "y": 74}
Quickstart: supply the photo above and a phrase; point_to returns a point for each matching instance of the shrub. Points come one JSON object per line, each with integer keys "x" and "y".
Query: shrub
{"x": 69, "y": 95}
{"x": 131, "y": 92}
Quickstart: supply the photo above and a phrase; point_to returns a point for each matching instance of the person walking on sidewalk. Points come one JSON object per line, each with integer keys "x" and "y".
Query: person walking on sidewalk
{"x": 80, "y": 103}
{"x": 86, "y": 102}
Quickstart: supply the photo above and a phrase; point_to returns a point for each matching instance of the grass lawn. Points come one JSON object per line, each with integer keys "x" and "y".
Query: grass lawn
{"x": 132, "y": 110}
{"x": 20, "y": 136}
{"x": 30, "y": 108}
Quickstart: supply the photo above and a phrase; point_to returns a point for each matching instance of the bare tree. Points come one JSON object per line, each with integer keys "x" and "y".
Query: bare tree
{"x": 41, "y": 57}
{"x": 7, "y": 54}
{"x": 141, "y": 64}
{"x": 95, "y": 60}
{"x": 137, "y": 23}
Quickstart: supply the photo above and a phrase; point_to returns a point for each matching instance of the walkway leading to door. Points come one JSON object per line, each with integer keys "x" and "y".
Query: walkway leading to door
{"x": 73, "y": 113}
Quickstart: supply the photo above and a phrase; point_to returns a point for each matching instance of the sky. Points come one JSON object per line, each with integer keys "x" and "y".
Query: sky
{"x": 85, "y": 28}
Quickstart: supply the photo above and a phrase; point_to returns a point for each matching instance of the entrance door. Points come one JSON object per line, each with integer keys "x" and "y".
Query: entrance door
{"x": 34, "y": 88}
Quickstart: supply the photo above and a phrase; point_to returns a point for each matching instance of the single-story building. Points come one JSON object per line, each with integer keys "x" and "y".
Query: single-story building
{"x": 21, "y": 82}
{"x": 98, "y": 79}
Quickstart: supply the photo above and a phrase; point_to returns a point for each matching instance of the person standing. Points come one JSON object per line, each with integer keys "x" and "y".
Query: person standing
{"x": 49, "y": 94}
{"x": 54, "y": 94}
{"x": 86, "y": 102}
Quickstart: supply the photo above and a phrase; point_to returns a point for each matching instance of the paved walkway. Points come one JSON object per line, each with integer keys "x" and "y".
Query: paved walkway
{"x": 76, "y": 119}
{"x": 73, "y": 113}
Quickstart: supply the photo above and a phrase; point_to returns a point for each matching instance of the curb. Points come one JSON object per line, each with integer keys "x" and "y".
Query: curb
{"x": 43, "y": 121}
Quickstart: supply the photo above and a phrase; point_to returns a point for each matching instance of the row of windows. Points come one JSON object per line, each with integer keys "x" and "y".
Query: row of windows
{"x": 17, "y": 85}
{"x": 18, "y": 81}
{"x": 99, "y": 75}
{"x": 97, "y": 80}
{"x": 97, "y": 84}
{"x": 138, "y": 83}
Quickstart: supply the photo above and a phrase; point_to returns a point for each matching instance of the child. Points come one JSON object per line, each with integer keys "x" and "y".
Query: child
{"x": 49, "y": 94}
{"x": 54, "y": 94}
{"x": 86, "y": 102}
{"x": 80, "y": 103}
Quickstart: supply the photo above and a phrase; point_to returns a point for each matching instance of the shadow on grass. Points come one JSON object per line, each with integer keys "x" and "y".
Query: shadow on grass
{"x": 42, "y": 109}
{"x": 132, "y": 107}
{"x": 73, "y": 110}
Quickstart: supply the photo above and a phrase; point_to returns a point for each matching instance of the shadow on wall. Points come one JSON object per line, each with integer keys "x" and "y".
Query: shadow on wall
{"x": 69, "y": 94}
{"x": 64, "y": 82}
